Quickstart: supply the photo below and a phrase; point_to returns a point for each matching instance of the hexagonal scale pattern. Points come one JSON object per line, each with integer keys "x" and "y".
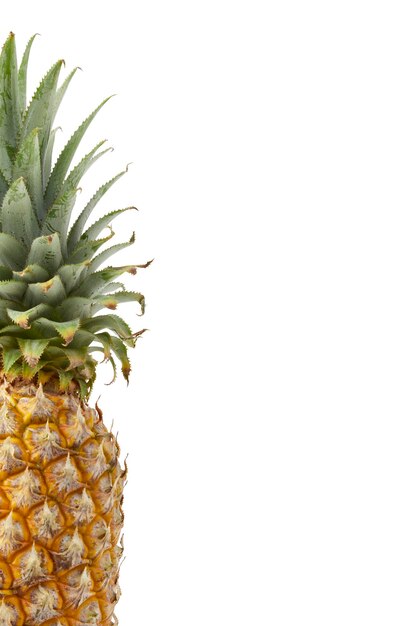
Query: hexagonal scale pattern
{"x": 61, "y": 492}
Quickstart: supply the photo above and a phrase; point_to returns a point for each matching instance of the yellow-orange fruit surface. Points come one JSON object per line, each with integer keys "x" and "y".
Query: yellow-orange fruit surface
{"x": 60, "y": 510}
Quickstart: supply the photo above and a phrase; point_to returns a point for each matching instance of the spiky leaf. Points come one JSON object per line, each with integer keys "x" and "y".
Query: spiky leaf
{"x": 12, "y": 252}
{"x": 95, "y": 282}
{"x": 32, "y": 350}
{"x": 47, "y": 159}
{"x": 61, "y": 91}
{"x": 96, "y": 228}
{"x": 74, "y": 307}
{"x": 78, "y": 227}
{"x": 119, "y": 348}
{"x": 50, "y": 292}
{"x": 109, "y": 252}
{"x": 17, "y": 215}
{"x": 4, "y": 186}
{"x": 41, "y": 110}
{"x": 67, "y": 330}
{"x": 65, "y": 379}
{"x": 58, "y": 215}
{"x": 22, "y": 74}
{"x": 50, "y": 283}
{"x": 10, "y": 357}
{"x": 78, "y": 171}
{"x": 65, "y": 158}
{"x": 12, "y": 290}
{"x": 23, "y": 318}
{"x": 27, "y": 165}
{"x": 86, "y": 250}
{"x": 29, "y": 372}
{"x": 46, "y": 252}
{"x": 111, "y": 301}
{"x": 111, "y": 287}
{"x": 71, "y": 275}
{"x": 109, "y": 322}
{"x": 5, "y": 273}
{"x": 9, "y": 105}
{"x": 32, "y": 274}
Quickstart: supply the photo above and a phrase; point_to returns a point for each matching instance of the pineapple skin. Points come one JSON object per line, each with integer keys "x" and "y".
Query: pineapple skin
{"x": 61, "y": 493}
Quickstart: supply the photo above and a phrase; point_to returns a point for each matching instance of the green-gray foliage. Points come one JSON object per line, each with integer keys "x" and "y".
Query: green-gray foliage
{"x": 52, "y": 284}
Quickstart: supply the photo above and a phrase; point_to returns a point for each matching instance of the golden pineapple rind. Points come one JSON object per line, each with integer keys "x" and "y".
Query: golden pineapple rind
{"x": 61, "y": 491}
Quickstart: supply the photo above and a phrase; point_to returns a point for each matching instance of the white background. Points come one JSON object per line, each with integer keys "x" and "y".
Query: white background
{"x": 272, "y": 417}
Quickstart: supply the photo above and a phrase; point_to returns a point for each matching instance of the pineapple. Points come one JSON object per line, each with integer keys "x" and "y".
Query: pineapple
{"x": 61, "y": 483}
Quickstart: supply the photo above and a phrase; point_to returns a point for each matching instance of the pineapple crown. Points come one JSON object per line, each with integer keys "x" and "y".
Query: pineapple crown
{"x": 52, "y": 283}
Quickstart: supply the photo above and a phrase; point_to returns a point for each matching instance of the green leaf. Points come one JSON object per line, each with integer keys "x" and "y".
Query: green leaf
{"x": 111, "y": 301}
{"x": 46, "y": 251}
{"x": 114, "y": 344}
{"x": 104, "y": 339}
{"x": 119, "y": 348}
{"x": 65, "y": 379}
{"x": 85, "y": 388}
{"x": 51, "y": 292}
{"x": 12, "y": 252}
{"x": 66, "y": 330}
{"x": 64, "y": 160}
{"x": 96, "y": 228}
{"x": 22, "y": 318}
{"x": 28, "y": 166}
{"x": 58, "y": 215}
{"x": 111, "y": 287}
{"x": 48, "y": 144}
{"x": 13, "y": 330}
{"x": 32, "y": 350}
{"x": 71, "y": 275}
{"x": 62, "y": 90}
{"x": 6, "y": 161}
{"x": 32, "y": 274}
{"x": 17, "y": 216}
{"x": 86, "y": 250}
{"x": 47, "y": 158}
{"x": 5, "y": 273}
{"x": 109, "y": 252}
{"x": 77, "y": 173}
{"x": 74, "y": 307}
{"x": 82, "y": 339}
{"x": 22, "y": 74}
{"x": 106, "y": 348}
{"x": 4, "y": 186}
{"x": 41, "y": 110}
{"x": 9, "y": 104}
{"x": 112, "y": 361}
{"x": 12, "y": 290}
{"x": 15, "y": 371}
{"x": 41, "y": 327}
{"x": 78, "y": 226}
{"x": 56, "y": 353}
{"x": 10, "y": 357}
{"x": 4, "y": 318}
{"x": 98, "y": 280}
{"x": 110, "y": 322}
{"x": 76, "y": 358}
{"x": 8, "y": 343}
{"x": 30, "y": 372}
